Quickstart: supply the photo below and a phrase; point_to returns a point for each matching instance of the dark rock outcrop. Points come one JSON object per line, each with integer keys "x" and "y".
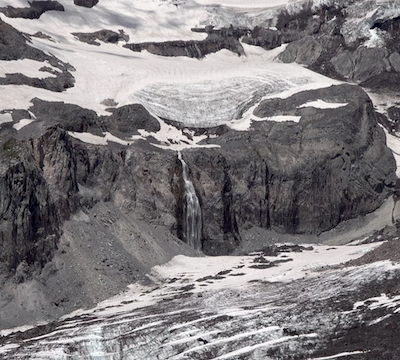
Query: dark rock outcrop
{"x": 266, "y": 38}
{"x": 301, "y": 177}
{"x": 193, "y": 49}
{"x": 29, "y": 228}
{"x": 126, "y": 120}
{"x": 362, "y": 64}
{"x": 315, "y": 37}
{"x": 107, "y": 36}
{"x": 34, "y": 11}
{"x": 86, "y": 3}
{"x": 226, "y": 38}
{"x": 14, "y": 46}
{"x": 62, "y": 81}
{"x": 70, "y": 117}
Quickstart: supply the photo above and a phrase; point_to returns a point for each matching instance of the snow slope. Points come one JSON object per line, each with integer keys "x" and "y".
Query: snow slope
{"x": 210, "y": 91}
{"x": 222, "y": 308}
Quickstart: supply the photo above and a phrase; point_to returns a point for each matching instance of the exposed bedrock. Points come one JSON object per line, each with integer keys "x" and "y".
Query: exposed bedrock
{"x": 34, "y": 11}
{"x": 329, "y": 40}
{"x": 301, "y": 177}
{"x": 29, "y": 226}
{"x": 14, "y": 46}
{"x": 265, "y": 38}
{"x": 226, "y": 38}
{"x": 86, "y": 3}
{"x": 61, "y": 82}
{"x": 291, "y": 177}
{"x": 107, "y": 36}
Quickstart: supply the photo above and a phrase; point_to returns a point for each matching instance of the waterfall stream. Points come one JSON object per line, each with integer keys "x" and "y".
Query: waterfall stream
{"x": 192, "y": 224}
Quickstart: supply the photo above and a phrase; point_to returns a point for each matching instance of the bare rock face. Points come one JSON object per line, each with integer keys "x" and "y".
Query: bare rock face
{"x": 86, "y": 3}
{"x": 29, "y": 228}
{"x": 265, "y": 38}
{"x": 107, "y": 36}
{"x": 305, "y": 51}
{"x": 322, "y": 38}
{"x": 301, "y": 177}
{"x": 36, "y": 9}
{"x": 129, "y": 119}
{"x": 362, "y": 64}
{"x": 226, "y": 38}
{"x": 14, "y": 46}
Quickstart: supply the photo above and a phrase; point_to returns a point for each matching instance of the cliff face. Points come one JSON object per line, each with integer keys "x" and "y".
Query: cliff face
{"x": 30, "y": 222}
{"x": 301, "y": 177}
{"x": 290, "y": 177}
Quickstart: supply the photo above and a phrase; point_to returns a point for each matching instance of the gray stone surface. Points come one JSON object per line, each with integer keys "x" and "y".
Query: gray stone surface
{"x": 305, "y": 51}
{"x": 34, "y": 11}
{"x": 225, "y": 38}
{"x": 362, "y": 64}
{"x": 86, "y": 3}
{"x": 107, "y": 36}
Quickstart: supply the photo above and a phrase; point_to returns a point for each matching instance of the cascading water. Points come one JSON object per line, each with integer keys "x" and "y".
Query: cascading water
{"x": 192, "y": 212}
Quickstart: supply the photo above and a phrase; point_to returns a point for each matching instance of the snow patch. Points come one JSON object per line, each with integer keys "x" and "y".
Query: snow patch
{"x": 5, "y": 118}
{"x": 23, "y": 122}
{"x": 343, "y": 354}
{"x": 393, "y": 143}
{"x": 97, "y": 140}
{"x": 321, "y": 104}
{"x": 27, "y": 67}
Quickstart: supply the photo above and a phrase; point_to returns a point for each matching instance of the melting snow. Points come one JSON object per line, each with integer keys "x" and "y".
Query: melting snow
{"x": 23, "y": 122}
{"x": 343, "y": 354}
{"x": 321, "y": 104}
{"x": 5, "y": 118}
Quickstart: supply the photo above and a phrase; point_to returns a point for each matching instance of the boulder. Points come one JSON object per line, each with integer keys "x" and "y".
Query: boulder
{"x": 86, "y": 3}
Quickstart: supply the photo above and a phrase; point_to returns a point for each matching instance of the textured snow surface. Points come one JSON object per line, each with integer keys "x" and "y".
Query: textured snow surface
{"x": 221, "y": 308}
{"x": 214, "y": 90}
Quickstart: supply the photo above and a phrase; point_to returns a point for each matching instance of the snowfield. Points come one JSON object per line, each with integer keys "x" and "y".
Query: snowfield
{"x": 211, "y": 91}
{"x": 223, "y": 308}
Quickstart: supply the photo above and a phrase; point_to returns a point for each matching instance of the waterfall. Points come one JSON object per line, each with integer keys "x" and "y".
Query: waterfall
{"x": 192, "y": 212}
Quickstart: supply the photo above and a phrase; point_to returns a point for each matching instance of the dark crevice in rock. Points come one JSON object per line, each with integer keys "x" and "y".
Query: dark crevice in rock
{"x": 36, "y": 9}
{"x": 391, "y": 29}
